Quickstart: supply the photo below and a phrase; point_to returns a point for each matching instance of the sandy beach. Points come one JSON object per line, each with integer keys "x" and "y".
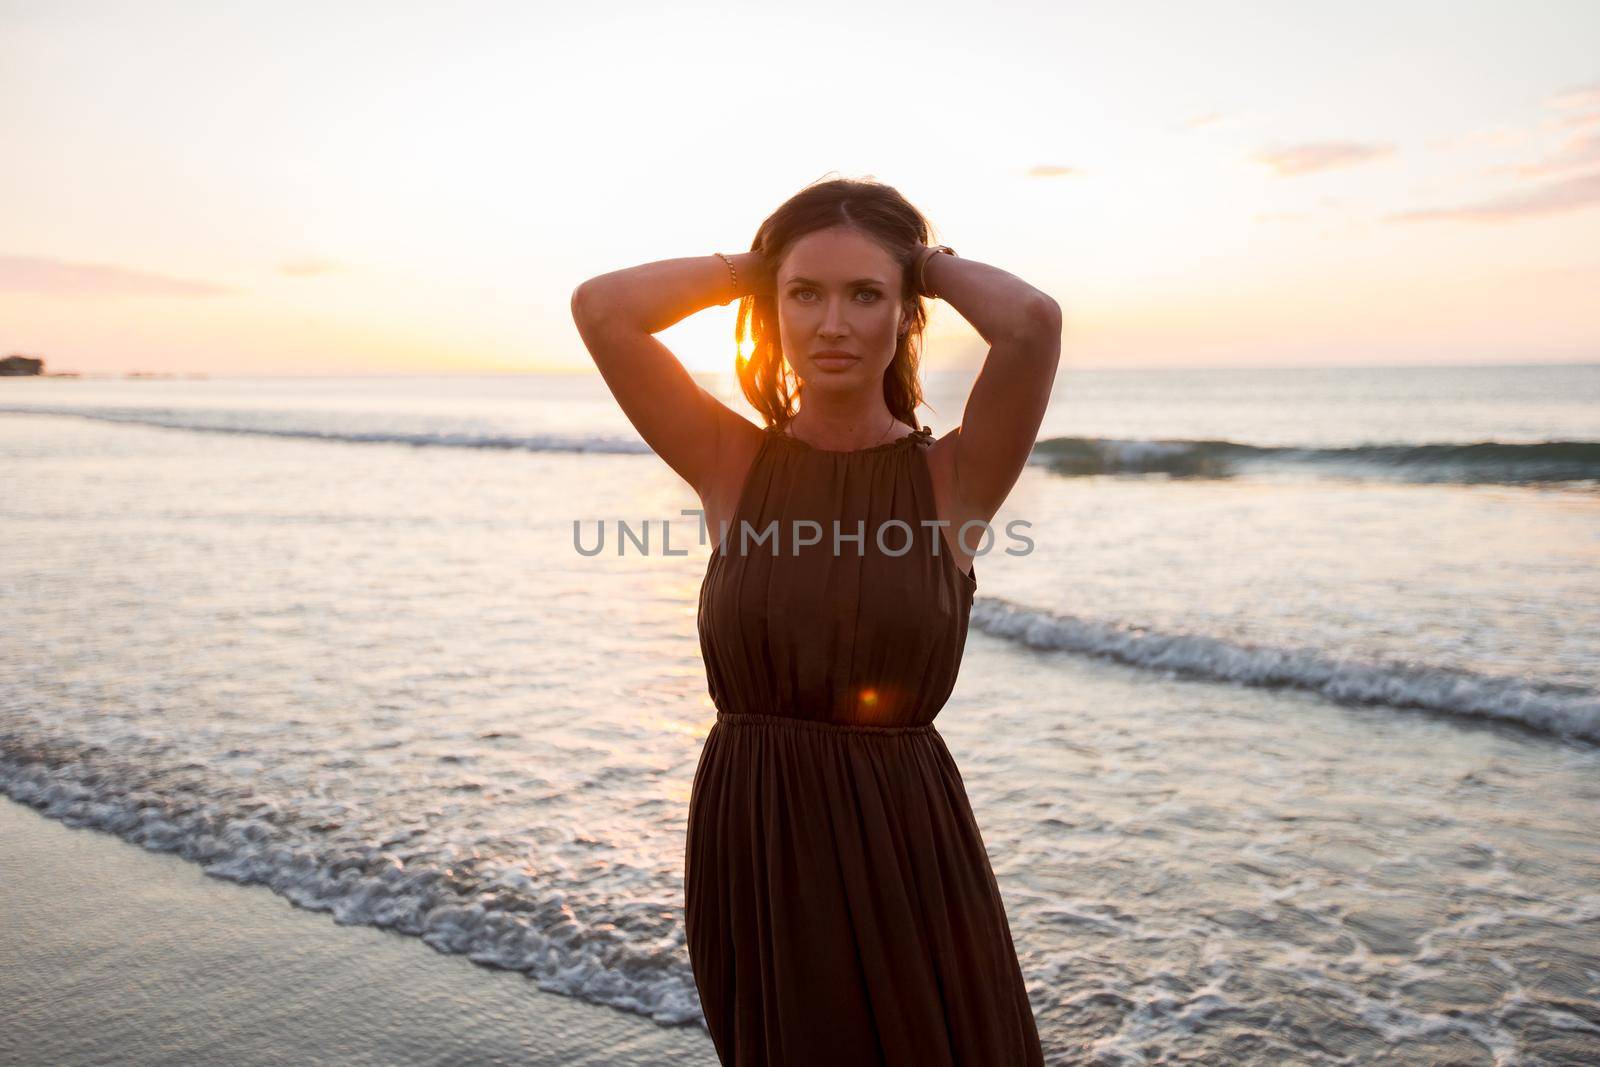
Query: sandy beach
{"x": 115, "y": 954}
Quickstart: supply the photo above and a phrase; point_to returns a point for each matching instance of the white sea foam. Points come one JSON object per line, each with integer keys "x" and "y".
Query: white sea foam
{"x": 1567, "y": 711}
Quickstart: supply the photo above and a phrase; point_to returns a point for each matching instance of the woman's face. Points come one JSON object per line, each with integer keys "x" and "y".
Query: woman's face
{"x": 839, "y": 291}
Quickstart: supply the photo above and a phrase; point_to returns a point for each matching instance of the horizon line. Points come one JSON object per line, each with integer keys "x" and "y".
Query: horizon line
{"x": 191, "y": 375}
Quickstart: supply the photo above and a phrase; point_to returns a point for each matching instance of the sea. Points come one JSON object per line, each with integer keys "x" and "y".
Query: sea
{"x": 1279, "y": 711}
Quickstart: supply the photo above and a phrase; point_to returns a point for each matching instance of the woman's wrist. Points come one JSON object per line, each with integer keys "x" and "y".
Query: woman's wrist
{"x": 747, "y": 274}
{"x": 921, "y": 265}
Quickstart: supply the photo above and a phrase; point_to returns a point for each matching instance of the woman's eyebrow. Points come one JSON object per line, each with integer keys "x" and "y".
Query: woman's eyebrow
{"x": 858, "y": 281}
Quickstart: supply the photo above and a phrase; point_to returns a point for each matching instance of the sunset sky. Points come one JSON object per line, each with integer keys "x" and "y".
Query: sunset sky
{"x": 294, "y": 188}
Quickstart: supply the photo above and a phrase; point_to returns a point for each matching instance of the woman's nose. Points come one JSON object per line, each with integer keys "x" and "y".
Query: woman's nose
{"x": 833, "y": 318}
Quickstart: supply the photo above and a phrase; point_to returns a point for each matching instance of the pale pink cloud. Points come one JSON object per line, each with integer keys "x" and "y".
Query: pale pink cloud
{"x": 1580, "y": 122}
{"x": 1493, "y": 136}
{"x": 1051, "y": 170}
{"x": 309, "y": 267}
{"x": 1571, "y": 194}
{"x": 1314, "y": 156}
{"x": 1579, "y": 108}
{"x": 1576, "y": 98}
{"x": 54, "y": 277}
{"x": 1580, "y": 151}
{"x": 1200, "y": 122}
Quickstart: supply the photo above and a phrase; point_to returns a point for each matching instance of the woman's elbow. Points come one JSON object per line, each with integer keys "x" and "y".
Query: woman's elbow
{"x": 587, "y": 304}
{"x": 1044, "y": 313}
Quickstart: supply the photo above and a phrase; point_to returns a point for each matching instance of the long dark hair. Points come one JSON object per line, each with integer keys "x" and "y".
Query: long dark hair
{"x": 879, "y": 212}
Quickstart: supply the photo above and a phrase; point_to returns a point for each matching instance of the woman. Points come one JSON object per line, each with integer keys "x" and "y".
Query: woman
{"x": 840, "y": 908}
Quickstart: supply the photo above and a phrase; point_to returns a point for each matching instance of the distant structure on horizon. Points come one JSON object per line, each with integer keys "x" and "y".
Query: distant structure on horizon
{"x": 16, "y": 366}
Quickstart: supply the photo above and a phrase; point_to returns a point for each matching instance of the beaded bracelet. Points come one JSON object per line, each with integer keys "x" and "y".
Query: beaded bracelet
{"x": 732, "y": 273}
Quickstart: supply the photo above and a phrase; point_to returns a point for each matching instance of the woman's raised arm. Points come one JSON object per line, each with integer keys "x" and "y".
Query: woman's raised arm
{"x": 617, "y": 313}
{"x": 1022, "y": 325}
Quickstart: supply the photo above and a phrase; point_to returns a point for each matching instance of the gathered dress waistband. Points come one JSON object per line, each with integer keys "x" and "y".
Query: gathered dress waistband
{"x": 729, "y": 718}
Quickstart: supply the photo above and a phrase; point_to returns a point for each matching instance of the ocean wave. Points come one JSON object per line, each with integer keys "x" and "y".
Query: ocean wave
{"x": 1570, "y": 712}
{"x": 1488, "y": 462}
{"x": 1485, "y": 462}
{"x": 249, "y": 423}
{"x": 466, "y": 900}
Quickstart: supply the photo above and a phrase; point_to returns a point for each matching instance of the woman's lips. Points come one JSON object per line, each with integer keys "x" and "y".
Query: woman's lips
{"x": 835, "y": 362}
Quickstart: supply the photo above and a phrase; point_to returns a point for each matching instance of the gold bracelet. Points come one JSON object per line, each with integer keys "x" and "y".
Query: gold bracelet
{"x": 922, "y": 266}
{"x": 731, "y": 272}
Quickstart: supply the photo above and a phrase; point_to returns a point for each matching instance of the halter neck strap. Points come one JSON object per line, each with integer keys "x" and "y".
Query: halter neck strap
{"x": 925, "y": 432}
{"x": 920, "y": 436}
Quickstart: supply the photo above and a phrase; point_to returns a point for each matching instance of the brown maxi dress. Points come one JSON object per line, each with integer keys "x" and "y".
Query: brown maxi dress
{"x": 840, "y": 908}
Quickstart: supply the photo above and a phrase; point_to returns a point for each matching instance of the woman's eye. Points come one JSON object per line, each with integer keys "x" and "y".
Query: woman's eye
{"x": 861, "y": 292}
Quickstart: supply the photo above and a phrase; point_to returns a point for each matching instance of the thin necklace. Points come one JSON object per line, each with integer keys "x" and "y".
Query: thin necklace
{"x": 875, "y": 444}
